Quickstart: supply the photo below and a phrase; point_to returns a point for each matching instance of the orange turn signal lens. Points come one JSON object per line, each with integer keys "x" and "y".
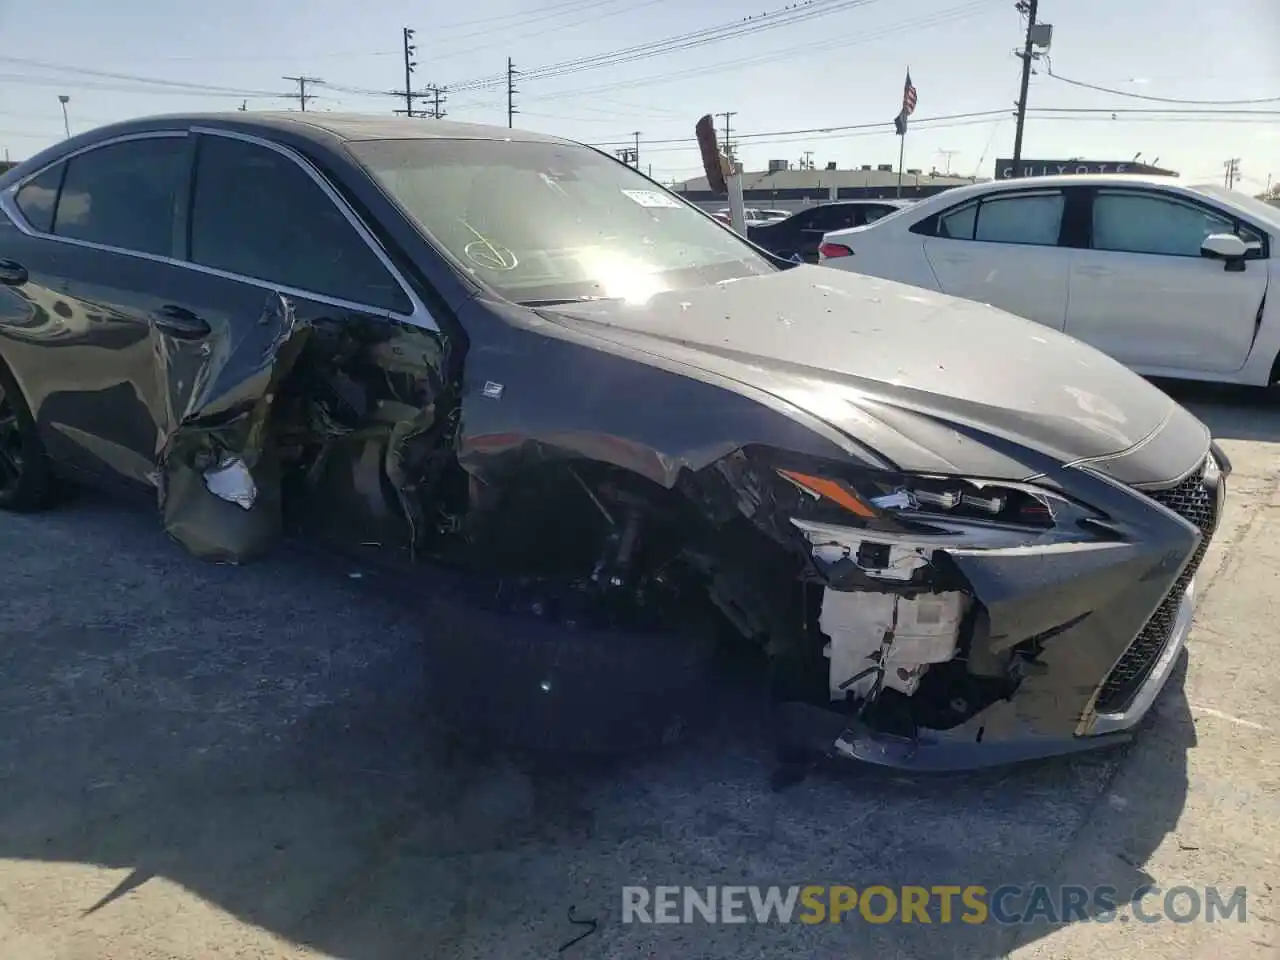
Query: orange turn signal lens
{"x": 830, "y": 490}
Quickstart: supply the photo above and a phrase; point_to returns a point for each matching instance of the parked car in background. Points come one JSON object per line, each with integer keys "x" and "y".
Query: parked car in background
{"x": 615, "y": 428}
{"x": 756, "y": 215}
{"x": 1170, "y": 279}
{"x": 800, "y": 235}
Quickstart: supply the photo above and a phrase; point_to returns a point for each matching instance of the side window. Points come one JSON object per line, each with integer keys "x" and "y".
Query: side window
{"x": 1034, "y": 219}
{"x": 39, "y": 197}
{"x": 872, "y": 214}
{"x": 1148, "y": 223}
{"x": 122, "y": 195}
{"x": 958, "y": 224}
{"x": 257, "y": 214}
{"x": 833, "y": 217}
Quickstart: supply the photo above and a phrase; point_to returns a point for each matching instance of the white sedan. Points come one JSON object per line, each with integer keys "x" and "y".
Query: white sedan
{"x": 1169, "y": 279}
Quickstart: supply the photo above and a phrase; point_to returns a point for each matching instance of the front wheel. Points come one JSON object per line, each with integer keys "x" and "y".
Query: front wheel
{"x": 26, "y": 480}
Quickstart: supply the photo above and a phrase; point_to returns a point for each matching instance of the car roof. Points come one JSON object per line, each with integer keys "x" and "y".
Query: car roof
{"x": 1058, "y": 181}
{"x": 321, "y": 128}
{"x": 345, "y": 126}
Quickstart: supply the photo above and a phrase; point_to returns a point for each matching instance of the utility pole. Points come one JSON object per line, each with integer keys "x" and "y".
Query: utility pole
{"x": 511, "y": 93}
{"x": 303, "y": 96}
{"x": 1233, "y": 172}
{"x": 728, "y": 148}
{"x": 636, "y": 155}
{"x": 808, "y": 160}
{"x": 1030, "y": 8}
{"x": 438, "y": 97}
{"x": 947, "y": 155}
{"x": 410, "y": 48}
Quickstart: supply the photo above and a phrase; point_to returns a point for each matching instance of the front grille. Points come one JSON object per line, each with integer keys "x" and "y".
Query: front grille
{"x": 1194, "y": 501}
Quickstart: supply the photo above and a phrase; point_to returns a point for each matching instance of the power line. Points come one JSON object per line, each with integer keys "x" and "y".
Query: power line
{"x": 567, "y": 6}
{"x": 1198, "y": 112}
{"x": 629, "y": 7}
{"x": 798, "y": 13}
{"x": 134, "y": 78}
{"x": 939, "y": 18}
{"x": 302, "y": 96}
{"x": 1147, "y": 97}
{"x": 874, "y": 125}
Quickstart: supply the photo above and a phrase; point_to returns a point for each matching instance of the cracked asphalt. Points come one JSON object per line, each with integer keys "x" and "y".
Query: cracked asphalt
{"x": 200, "y": 761}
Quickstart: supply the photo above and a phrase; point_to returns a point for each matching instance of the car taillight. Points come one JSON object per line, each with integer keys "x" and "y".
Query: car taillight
{"x": 829, "y": 251}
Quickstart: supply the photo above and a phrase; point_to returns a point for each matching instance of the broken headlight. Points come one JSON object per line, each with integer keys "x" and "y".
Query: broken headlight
{"x": 938, "y": 510}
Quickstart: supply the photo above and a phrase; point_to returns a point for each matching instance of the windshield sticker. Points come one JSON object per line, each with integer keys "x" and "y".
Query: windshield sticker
{"x": 652, "y": 198}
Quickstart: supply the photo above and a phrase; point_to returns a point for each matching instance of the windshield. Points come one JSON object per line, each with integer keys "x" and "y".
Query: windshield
{"x": 1252, "y": 205}
{"x": 546, "y": 222}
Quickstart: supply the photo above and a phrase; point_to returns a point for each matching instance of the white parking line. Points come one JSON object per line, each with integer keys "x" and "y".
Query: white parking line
{"x": 1209, "y": 711}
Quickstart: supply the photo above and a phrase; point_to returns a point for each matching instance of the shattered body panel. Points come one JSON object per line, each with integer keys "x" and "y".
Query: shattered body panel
{"x": 959, "y": 538}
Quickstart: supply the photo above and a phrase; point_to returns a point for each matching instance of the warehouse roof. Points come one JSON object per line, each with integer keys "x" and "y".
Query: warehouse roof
{"x": 818, "y": 179}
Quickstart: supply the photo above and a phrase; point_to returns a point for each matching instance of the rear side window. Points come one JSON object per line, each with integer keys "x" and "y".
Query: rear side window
{"x": 958, "y": 224}
{"x": 834, "y": 217}
{"x": 1032, "y": 219}
{"x": 39, "y": 198}
{"x": 256, "y": 213}
{"x": 1024, "y": 219}
{"x": 123, "y": 195}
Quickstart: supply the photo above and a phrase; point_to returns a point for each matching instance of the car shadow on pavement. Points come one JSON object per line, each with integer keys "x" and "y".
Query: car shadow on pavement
{"x": 260, "y": 737}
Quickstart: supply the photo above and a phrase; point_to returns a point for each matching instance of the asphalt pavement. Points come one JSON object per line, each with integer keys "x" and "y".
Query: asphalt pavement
{"x": 202, "y": 761}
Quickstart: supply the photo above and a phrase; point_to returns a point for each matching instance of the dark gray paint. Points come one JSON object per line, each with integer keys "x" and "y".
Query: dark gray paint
{"x": 855, "y": 351}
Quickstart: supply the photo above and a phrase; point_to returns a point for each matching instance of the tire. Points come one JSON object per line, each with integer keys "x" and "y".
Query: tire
{"x": 26, "y": 478}
{"x": 498, "y": 679}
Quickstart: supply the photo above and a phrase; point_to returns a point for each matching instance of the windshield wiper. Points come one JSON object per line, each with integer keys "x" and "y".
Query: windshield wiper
{"x": 560, "y": 301}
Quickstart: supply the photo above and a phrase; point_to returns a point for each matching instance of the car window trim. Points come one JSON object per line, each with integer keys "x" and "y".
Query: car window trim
{"x": 419, "y": 316}
{"x": 1231, "y": 216}
{"x": 9, "y": 199}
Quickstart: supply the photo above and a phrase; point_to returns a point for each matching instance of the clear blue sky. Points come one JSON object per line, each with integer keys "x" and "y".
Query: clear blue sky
{"x": 843, "y": 68}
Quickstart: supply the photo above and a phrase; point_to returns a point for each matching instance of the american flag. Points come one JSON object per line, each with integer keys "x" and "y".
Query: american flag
{"x": 908, "y": 106}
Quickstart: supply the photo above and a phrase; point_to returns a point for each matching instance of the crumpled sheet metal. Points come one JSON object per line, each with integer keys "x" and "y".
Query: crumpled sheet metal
{"x": 219, "y": 491}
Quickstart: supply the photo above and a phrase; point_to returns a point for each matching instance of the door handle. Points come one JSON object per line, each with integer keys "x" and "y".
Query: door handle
{"x": 180, "y": 322}
{"x": 12, "y": 274}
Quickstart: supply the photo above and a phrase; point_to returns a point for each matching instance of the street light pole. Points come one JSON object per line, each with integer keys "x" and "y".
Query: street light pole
{"x": 66, "y": 124}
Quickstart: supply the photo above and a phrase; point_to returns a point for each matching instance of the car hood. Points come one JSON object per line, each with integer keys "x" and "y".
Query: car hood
{"x": 913, "y": 374}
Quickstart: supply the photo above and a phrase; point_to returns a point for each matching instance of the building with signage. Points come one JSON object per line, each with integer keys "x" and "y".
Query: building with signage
{"x": 1053, "y": 168}
{"x": 784, "y": 186}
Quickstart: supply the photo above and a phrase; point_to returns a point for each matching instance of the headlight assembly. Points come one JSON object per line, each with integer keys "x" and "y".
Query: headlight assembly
{"x": 938, "y": 511}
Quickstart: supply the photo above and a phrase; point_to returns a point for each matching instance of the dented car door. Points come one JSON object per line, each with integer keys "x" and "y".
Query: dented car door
{"x": 313, "y": 347}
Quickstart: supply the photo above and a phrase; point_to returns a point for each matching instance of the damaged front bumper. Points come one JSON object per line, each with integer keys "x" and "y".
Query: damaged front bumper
{"x": 942, "y": 751}
{"x": 1072, "y": 642}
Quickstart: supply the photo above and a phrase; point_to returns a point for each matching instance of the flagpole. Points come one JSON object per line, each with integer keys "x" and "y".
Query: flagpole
{"x": 902, "y": 147}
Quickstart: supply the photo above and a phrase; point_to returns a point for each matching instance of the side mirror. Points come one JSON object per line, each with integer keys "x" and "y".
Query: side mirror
{"x": 1224, "y": 246}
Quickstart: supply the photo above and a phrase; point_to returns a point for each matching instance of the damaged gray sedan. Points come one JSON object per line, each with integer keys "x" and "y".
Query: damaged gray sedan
{"x": 958, "y": 538}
